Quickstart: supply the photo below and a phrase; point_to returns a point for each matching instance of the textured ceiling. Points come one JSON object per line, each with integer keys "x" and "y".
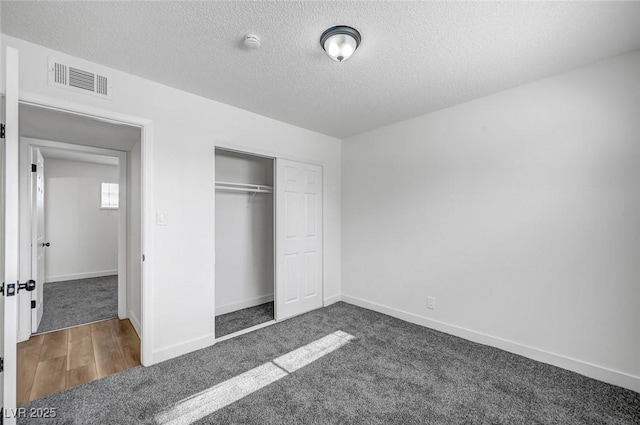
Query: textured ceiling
{"x": 415, "y": 57}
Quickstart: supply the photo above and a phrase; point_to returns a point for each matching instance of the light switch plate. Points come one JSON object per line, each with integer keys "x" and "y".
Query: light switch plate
{"x": 161, "y": 219}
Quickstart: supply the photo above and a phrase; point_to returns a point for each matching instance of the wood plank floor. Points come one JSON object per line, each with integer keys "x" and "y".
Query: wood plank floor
{"x": 63, "y": 359}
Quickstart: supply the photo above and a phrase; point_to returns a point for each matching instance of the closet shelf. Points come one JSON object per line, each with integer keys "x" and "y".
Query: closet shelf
{"x": 243, "y": 187}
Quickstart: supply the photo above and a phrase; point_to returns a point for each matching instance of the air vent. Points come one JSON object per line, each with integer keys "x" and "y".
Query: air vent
{"x": 82, "y": 79}
{"x": 60, "y": 73}
{"x": 101, "y": 87}
{"x": 70, "y": 77}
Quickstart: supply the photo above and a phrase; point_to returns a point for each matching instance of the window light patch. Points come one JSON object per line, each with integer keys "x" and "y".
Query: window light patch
{"x": 110, "y": 196}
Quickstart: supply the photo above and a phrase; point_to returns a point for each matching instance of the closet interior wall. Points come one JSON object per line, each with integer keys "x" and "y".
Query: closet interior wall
{"x": 244, "y": 232}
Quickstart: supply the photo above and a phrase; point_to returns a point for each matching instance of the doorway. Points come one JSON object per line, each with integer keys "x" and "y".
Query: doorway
{"x": 83, "y": 242}
{"x": 74, "y": 236}
{"x": 244, "y": 233}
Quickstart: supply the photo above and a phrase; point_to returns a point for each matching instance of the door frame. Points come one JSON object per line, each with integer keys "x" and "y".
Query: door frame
{"x": 147, "y": 134}
{"x": 27, "y": 146}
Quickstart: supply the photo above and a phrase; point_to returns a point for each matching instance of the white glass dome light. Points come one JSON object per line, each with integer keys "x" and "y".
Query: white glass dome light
{"x": 340, "y": 42}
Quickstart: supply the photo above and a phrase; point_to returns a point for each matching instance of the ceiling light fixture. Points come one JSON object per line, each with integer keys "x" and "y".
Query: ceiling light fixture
{"x": 340, "y": 42}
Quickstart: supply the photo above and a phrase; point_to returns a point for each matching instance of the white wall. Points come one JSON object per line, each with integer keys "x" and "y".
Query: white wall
{"x": 518, "y": 212}
{"x": 83, "y": 237}
{"x": 134, "y": 238}
{"x": 244, "y": 234}
{"x": 186, "y": 129}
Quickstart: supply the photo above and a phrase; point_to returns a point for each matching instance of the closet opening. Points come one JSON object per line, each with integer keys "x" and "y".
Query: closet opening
{"x": 244, "y": 241}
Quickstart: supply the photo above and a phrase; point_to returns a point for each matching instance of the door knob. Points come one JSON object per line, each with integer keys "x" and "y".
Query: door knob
{"x": 30, "y": 285}
{"x": 46, "y": 244}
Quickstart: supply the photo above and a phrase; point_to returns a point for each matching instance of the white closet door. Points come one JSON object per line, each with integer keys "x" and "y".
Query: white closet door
{"x": 298, "y": 238}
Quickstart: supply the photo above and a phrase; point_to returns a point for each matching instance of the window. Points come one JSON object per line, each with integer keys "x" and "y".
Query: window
{"x": 110, "y": 195}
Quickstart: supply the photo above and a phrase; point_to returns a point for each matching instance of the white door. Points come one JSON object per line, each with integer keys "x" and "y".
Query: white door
{"x": 298, "y": 238}
{"x": 37, "y": 234}
{"x": 10, "y": 244}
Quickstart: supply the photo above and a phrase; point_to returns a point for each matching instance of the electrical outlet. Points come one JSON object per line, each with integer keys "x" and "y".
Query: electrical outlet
{"x": 431, "y": 303}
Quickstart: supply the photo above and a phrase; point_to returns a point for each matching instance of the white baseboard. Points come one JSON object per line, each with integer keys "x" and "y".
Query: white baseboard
{"x": 182, "y": 348}
{"x": 77, "y": 276}
{"x": 332, "y": 300}
{"x": 584, "y": 368}
{"x": 136, "y": 324}
{"x": 251, "y": 302}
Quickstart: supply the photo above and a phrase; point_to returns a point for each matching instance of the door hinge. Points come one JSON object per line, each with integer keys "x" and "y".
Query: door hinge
{"x": 10, "y": 289}
{"x": 34, "y": 168}
{"x": 33, "y": 304}
{"x": 1, "y": 364}
{"x": 2, "y": 131}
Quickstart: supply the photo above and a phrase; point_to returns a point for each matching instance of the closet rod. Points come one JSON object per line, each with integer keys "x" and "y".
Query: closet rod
{"x": 243, "y": 187}
{"x": 237, "y": 189}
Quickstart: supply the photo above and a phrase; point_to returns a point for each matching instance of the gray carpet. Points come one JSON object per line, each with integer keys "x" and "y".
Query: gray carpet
{"x": 75, "y": 302}
{"x": 242, "y": 319}
{"x": 392, "y": 373}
